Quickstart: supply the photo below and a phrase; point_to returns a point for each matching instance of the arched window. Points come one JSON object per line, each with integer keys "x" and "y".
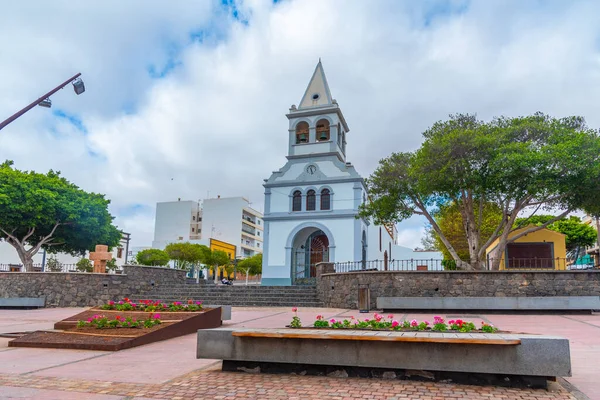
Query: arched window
{"x": 302, "y": 132}
{"x": 325, "y": 199}
{"x": 297, "y": 201}
{"x": 322, "y": 130}
{"x": 311, "y": 200}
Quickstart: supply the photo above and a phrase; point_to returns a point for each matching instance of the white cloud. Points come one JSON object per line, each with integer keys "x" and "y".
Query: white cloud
{"x": 216, "y": 121}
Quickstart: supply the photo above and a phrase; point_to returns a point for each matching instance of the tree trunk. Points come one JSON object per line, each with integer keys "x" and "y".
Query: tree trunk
{"x": 25, "y": 257}
{"x": 216, "y": 269}
{"x": 246, "y": 278}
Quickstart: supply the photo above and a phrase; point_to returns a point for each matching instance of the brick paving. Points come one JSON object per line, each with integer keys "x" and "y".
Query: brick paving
{"x": 213, "y": 384}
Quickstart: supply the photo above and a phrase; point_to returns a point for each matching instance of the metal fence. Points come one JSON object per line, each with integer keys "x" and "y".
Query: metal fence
{"x": 509, "y": 264}
{"x": 40, "y": 268}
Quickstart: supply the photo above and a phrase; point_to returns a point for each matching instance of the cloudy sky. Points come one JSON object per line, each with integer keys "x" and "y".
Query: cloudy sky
{"x": 189, "y": 98}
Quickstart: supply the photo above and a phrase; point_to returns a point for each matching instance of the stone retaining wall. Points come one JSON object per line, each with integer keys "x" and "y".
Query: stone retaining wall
{"x": 341, "y": 290}
{"x": 87, "y": 289}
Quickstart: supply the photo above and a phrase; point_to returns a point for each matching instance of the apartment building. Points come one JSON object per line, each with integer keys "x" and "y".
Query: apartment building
{"x": 229, "y": 220}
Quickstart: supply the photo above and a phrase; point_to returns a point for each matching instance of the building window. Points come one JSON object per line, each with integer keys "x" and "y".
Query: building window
{"x": 297, "y": 201}
{"x": 302, "y": 132}
{"x": 257, "y": 244}
{"x": 257, "y": 233}
{"x": 322, "y": 130}
{"x": 325, "y": 199}
{"x": 311, "y": 200}
{"x": 193, "y": 217}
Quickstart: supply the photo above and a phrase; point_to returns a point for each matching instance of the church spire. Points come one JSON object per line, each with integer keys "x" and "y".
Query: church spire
{"x": 317, "y": 93}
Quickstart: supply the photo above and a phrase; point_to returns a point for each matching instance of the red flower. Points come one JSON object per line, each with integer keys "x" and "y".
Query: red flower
{"x": 126, "y": 299}
{"x": 118, "y": 317}
{"x": 190, "y": 301}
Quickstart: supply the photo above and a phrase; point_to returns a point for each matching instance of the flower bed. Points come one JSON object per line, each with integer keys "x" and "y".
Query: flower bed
{"x": 152, "y": 306}
{"x": 379, "y": 322}
{"x": 102, "y": 322}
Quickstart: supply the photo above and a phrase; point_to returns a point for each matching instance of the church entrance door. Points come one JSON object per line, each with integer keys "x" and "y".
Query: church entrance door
{"x": 313, "y": 250}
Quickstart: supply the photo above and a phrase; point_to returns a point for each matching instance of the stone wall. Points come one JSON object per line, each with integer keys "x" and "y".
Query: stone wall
{"x": 87, "y": 289}
{"x": 341, "y": 290}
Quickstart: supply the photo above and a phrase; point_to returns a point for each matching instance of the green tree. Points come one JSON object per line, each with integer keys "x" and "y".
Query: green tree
{"x": 577, "y": 234}
{"x": 450, "y": 221}
{"x": 111, "y": 265}
{"x": 53, "y": 265}
{"x": 215, "y": 259}
{"x": 520, "y": 164}
{"x": 45, "y": 211}
{"x": 251, "y": 266}
{"x": 592, "y": 208}
{"x": 152, "y": 257}
{"x": 186, "y": 254}
{"x": 84, "y": 265}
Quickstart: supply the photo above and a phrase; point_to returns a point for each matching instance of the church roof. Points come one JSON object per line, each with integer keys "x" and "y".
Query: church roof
{"x": 317, "y": 93}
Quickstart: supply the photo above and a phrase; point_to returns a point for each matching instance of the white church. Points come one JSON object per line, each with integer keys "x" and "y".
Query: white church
{"x": 311, "y": 204}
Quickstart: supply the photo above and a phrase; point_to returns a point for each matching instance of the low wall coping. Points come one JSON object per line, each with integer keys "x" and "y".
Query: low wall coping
{"x": 537, "y": 355}
{"x": 465, "y": 272}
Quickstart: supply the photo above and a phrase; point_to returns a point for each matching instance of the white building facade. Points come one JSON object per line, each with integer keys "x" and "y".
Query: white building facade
{"x": 312, "y": 203}
{"x": 229, "y": 220}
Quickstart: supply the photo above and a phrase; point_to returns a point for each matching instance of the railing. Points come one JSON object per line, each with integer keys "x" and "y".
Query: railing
{"x": 510, "y": 264}
{"x": 389, "y": 265}
{"x": 47, "y": 268}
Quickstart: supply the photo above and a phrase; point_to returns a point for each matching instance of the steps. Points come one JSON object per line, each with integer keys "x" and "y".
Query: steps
{"x": 238, "y": 296}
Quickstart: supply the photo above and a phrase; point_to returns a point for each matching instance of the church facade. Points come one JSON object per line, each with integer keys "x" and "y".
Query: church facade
{"x": 312, "y": 202}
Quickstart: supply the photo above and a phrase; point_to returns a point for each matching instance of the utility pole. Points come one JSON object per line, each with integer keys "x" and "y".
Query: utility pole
{"x": 77, "y": 86}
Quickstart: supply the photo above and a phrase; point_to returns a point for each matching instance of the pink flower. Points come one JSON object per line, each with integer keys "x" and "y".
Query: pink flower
{"x": 395, "y": 324}
{"x": 332, "y": 321}
{"x": 459, "y": 322}
{"x": 319, "y": 317}
{"x": 133, "y": 305}
{"x": 198, "y": 302}
{"x": 390, "y": 316}
{"x": 366, "y": 319}
{"x": 438, "y": 320}
{"x": 111, "y": 303}
{"x": 451, "y": 322}
{"x": 426, "y": 323}
{"x": 90, "y": 319}
{"x": 156, "y": 316}
{"x": 121, "y": 302}
{"x": 294, "y": 309}
{"x": 414, "y": 322}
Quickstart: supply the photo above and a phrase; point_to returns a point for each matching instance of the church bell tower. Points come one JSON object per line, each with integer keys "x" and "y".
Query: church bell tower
{"x": 317, "y": 126}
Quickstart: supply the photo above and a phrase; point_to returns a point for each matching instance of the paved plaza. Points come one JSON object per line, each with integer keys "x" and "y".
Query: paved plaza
{"x": 169, "y": 370}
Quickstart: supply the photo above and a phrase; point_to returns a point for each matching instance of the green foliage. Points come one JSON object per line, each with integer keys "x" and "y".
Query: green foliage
{"x": 84, "y": 265}
{"x": 518, "y": 164}
{"x": 111, "y": 265}
{"x": 251, "y": 265}
{"x": 53, "y": 265}
{"x": 187, "y": 254}
{"x": 152, "y": 257}
{"x": 450, "y": 221}
{"x": 45, "y": 211}
{"x": 577, "y": 233}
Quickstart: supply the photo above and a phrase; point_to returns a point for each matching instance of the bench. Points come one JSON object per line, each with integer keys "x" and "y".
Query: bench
{"x": 531, "y": 357}
{"x": 23, "y": 302}
{"x": 550, "y": 303}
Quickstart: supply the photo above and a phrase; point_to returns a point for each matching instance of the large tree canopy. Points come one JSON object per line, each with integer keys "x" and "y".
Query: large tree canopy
{"x": 522, "y": 165}
{"x": 154, "y": 257}
{"x": 45, "y": 211}
{"x": 186, "y": 254}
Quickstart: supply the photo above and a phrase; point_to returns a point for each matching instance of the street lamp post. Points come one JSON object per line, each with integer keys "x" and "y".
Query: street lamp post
{"x": 44, "y": 101}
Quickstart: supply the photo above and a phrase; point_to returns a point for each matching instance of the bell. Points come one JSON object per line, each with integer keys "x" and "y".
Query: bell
{"x": 324, "y": 136}
{"x": 303, "y": 138}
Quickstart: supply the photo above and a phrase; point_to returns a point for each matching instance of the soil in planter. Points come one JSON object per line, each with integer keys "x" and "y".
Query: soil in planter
{"x": 45, "y": 339}
{"x": 120, "y": 331}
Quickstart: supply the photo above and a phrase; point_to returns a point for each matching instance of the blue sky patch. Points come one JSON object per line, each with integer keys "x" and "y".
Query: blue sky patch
{"x": 73, "y": 119}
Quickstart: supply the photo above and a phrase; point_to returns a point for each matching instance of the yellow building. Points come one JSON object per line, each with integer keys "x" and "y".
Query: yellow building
{"x": 542, "y": 249}
{"x": 228, "y": 248}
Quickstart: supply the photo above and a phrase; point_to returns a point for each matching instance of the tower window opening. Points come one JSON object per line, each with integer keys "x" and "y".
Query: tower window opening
{"x": 323, "y": 130}
{"x": 302, "y": 132}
